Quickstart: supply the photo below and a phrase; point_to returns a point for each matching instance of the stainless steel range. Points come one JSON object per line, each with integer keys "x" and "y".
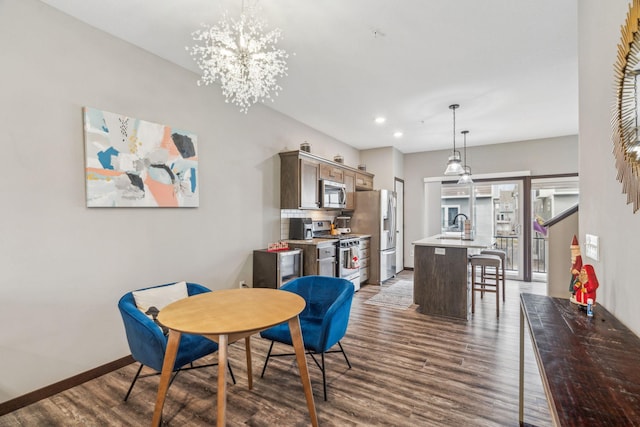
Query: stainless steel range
{"x": 348, "y": 262}
{"x": 349, "y": 259}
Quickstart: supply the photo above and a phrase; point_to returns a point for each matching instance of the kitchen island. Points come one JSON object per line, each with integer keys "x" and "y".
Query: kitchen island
{"x": 440, "y": 285}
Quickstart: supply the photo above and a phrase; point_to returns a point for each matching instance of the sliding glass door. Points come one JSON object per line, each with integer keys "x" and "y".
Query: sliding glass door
{"x": 512, "y": 212}
{"x": 495, "y": 210}
{"x": 549, "y": 198}
{"x": 507, "y": 219}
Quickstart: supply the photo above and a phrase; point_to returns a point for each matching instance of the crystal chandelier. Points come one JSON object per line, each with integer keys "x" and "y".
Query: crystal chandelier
{"x": 242, "y": 57}
{"x": 454, "y": 167}
{"x": 465, "y": 178}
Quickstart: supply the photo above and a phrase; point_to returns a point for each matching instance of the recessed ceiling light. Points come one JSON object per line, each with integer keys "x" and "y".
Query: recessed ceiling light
{"x": 397, "y": 134}
{"x": 380, "y": 120}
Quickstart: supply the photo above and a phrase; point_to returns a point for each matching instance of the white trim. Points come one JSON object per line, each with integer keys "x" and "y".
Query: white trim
{"x": 496, "y": 175}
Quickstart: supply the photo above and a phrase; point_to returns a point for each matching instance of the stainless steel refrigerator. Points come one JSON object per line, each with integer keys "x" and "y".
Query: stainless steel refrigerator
{"x": 375, "y": 214}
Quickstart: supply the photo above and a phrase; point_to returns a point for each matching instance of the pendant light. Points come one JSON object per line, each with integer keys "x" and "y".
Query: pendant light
{"x": 454, "y": 167}
{"x": 466, "y": 175}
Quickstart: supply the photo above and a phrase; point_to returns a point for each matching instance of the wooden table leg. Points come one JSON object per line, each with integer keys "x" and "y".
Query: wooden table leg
{"x": 165, "y": 377}
{"x": 298, "y": 345}
{"x": 223, "y": 347}
{"x": 247, "y": 345}
{"x": 521, "y": 386}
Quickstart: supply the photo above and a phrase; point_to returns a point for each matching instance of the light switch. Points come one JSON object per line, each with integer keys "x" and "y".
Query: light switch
{"x": 591, "y": 246}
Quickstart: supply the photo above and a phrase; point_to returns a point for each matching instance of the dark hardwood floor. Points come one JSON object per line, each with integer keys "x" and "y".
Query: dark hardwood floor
{"x": 408, "y": 370}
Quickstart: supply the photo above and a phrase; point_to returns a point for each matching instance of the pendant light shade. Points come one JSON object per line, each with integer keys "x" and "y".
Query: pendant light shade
{"x": 466, "y": 170}
{"x": 465, "y": 178}
{"x": 454, "y": 166}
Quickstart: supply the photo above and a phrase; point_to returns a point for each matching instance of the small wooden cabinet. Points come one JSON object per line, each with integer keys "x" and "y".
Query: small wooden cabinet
{"x": 364, "y": 182}
{"x": 365, "y": 256}
{"x": 331, "y": 172}
{"x": 350, "y": 184}
{"x": 300, "y": 173}
{"x": 319, "y": 258}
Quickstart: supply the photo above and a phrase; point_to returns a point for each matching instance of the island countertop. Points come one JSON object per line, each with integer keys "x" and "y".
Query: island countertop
{"x": 440, "y": 240}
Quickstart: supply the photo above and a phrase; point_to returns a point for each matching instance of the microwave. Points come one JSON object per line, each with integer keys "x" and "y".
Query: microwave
{"x": 332, "y": 194}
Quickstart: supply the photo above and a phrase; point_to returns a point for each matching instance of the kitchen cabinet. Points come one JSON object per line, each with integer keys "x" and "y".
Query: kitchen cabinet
{"x": 364, "y": 182}
{"x": 309, "y": 192}
{"x": 300, "y": 173}
{"x": 319, "y": 257}
{"x": 350, "y": 184}
{"x": 298, "y": 182}
{"x": 365, "y": 243}
{"x": 331, "y": 172}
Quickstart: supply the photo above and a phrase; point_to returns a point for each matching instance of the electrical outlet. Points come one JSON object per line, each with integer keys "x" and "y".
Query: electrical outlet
{"x": 242, "y": 284}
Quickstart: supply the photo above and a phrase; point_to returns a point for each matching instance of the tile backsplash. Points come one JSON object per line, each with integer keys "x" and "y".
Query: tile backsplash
{"x": 285, "y": 214}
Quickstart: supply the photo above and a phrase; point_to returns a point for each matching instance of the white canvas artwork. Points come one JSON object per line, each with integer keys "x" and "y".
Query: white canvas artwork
{"x": 135, "y": 163}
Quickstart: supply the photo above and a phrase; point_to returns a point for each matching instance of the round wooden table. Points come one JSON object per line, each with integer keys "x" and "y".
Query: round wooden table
{"x": 227, "y": 316}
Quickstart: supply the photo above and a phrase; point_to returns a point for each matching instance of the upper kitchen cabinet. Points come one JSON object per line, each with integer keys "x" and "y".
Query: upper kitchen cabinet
{"x": 364, "y": 181}
{"x": 298, "y": 182}
{"x": 350, "y": 184}
{"x": 300, "y": 173}
{"x": 331, "y": 172}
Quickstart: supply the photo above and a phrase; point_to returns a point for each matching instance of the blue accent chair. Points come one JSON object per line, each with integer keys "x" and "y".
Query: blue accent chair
{"x": 148, "y": 344}
{"x": 323, "y": 321}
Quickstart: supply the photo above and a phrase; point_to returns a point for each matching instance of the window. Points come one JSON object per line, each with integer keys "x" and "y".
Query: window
{"x": 448, "y": 213}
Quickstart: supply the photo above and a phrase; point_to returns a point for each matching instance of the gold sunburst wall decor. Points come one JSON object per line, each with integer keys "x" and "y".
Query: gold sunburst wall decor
{"x": 626, "y": 119}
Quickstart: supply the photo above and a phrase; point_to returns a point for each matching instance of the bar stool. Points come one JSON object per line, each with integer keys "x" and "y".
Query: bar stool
{"x": 480, "y": 284}
{"x": 503, "y": 259}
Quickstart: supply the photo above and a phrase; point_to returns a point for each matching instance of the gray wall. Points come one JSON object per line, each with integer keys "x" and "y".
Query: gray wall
{"x": 64, "y": 266}
{"x": 603, "y": 208}
{"x": 541, "y": 157}
{"x": 560, "y": 236}
{"x": 387, "y": 165}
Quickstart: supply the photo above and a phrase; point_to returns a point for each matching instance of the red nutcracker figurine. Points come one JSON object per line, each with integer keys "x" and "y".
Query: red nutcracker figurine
{"x": 585, "y": 287}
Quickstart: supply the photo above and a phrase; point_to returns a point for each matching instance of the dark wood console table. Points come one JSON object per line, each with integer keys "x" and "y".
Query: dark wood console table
{"x": 590, "y": 366}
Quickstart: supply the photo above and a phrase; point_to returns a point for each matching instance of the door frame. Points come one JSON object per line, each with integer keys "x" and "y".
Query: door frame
{"x": 399, "y": 182}
{"x": 529, "y": 250}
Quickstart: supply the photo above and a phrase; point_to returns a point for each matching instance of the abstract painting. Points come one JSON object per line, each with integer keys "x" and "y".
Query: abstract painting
{"x": 135, "y": 163}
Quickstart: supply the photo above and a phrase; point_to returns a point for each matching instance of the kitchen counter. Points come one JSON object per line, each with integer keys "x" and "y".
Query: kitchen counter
{"x": 362, "y": 236}
{"x": 440, "y": 285}
{"x": 318, "y": 241}
{"x": 448, "y": 241}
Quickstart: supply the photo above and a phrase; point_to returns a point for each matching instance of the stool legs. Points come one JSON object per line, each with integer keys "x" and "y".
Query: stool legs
{"x": 473, "y": 288}
{"x": 481, "y": 284}
{"x": 504, "y": 279}
{"x": 498, "y": 292}
{"x": 503, "y": 258}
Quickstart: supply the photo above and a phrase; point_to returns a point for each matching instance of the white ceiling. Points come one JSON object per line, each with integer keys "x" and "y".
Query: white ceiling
{"x": 511, "y": 64}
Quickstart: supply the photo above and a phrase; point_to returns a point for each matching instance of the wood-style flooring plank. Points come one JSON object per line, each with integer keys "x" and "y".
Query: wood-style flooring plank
{"x": 409, "y": 369}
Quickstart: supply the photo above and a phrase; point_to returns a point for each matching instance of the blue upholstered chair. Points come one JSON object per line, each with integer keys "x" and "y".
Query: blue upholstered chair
{"x": 323, "y": 321}
{"x": 148, "y": 343}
